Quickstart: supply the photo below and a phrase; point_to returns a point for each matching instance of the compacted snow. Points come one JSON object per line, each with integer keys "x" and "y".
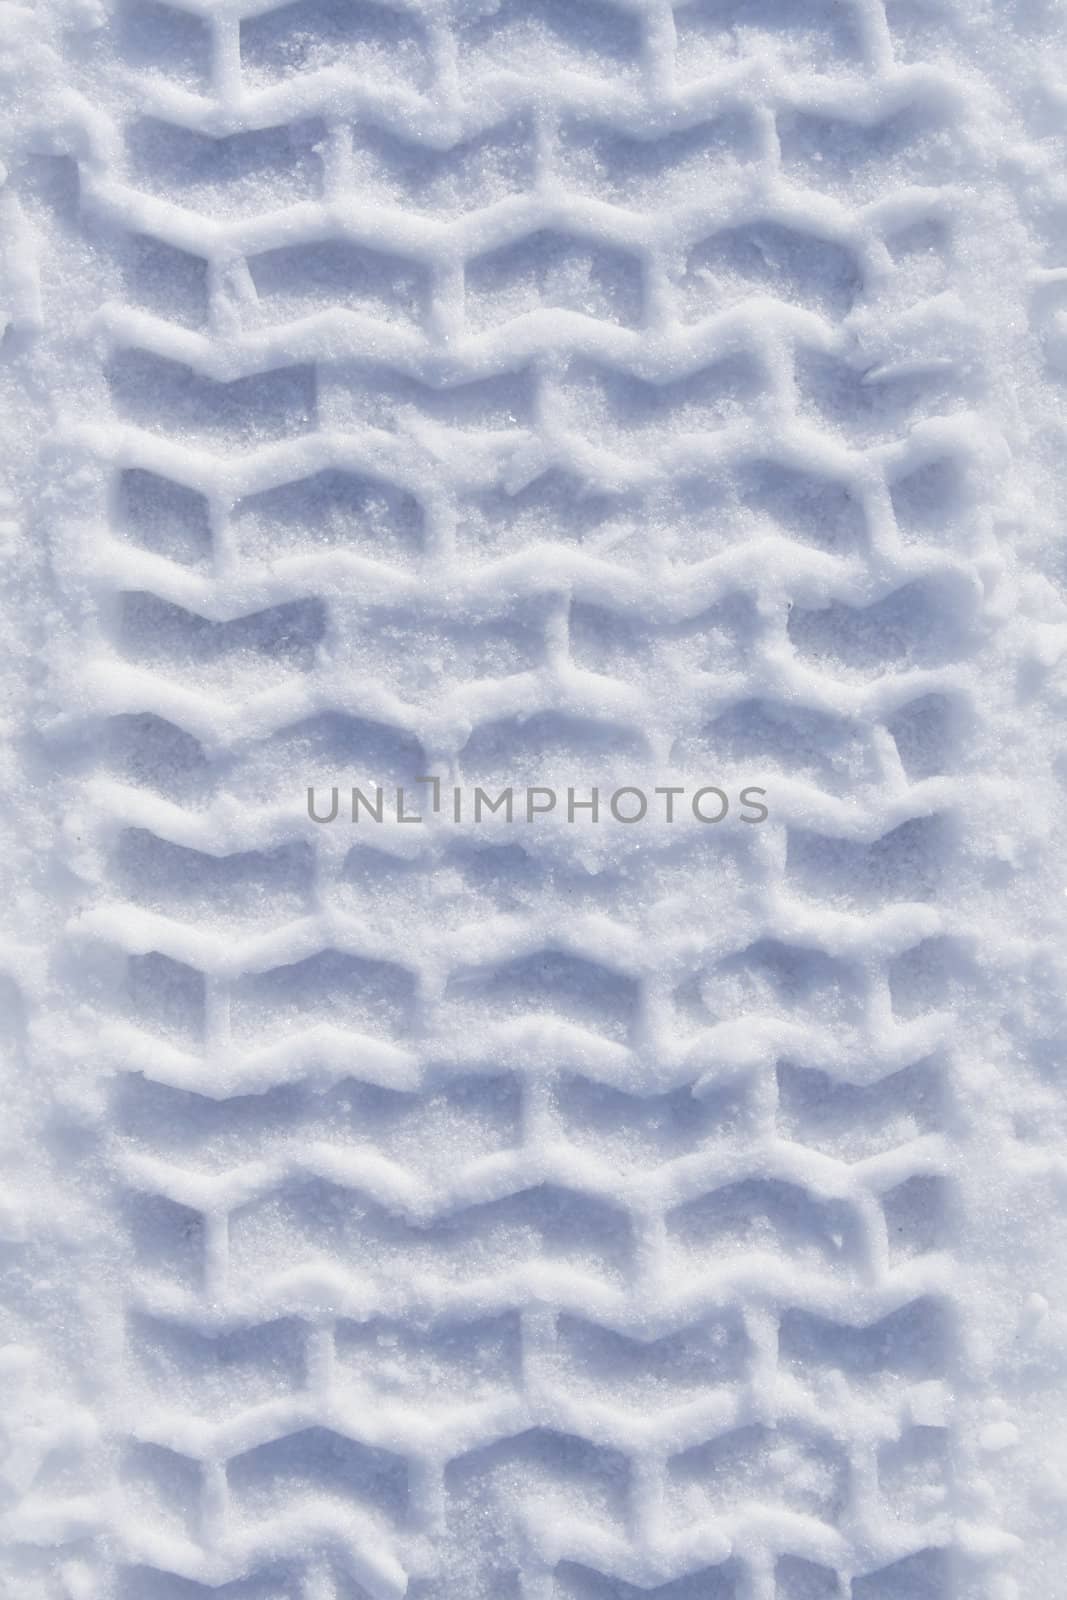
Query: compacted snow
{"x": 533, "y": 405}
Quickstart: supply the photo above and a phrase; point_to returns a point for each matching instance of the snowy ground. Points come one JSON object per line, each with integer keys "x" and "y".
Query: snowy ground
{"x": 533, "y": 394}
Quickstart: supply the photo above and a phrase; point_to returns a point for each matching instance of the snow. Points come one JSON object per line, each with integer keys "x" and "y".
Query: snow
{"x": 552, "y": 395}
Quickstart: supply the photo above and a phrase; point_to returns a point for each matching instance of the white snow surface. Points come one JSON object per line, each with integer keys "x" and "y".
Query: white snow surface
{"x": 533, "y": 392}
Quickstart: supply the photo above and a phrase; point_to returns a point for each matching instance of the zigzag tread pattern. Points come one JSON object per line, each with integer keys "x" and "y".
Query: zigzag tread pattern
{"x": 550, "y": 394}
